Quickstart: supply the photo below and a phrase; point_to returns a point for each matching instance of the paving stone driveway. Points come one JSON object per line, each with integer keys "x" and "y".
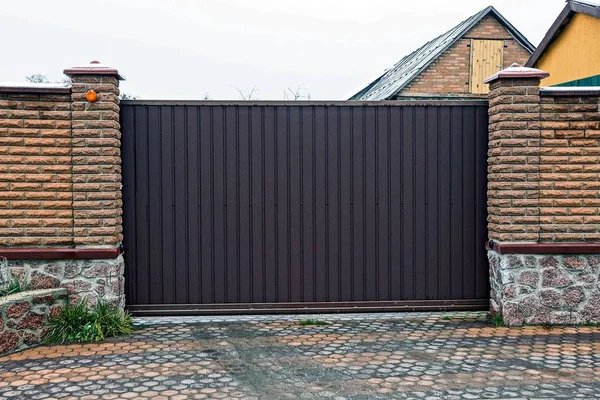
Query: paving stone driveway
{"x": 359, "y": 356}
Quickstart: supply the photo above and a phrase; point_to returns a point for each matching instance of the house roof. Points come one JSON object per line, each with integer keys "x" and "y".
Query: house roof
{"x": 571, "y": 8}
{"x": 404, "y": 71}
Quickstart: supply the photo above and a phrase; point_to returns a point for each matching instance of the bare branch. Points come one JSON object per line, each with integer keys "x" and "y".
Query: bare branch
{"x": 251, "y": 94}
{"x": 296, "y": 94}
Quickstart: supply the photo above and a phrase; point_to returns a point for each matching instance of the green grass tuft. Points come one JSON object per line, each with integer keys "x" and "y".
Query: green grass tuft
{"x": 306, "y": 322}
{"x": 13, "y": 287}
{"x": 496, "y": 319}
{"x": 80, "y": 323}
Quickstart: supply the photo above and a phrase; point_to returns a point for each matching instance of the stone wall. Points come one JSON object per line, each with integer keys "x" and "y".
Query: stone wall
{"x": 24, "y": 317}
{"x": 87, "y": 280}
{"x": 545, "y": 288}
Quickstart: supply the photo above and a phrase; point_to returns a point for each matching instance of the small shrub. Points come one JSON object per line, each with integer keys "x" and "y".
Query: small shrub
{"x": 306, "y": 322}
{"x": 80, "y": 323}
{"x": 13, "y": 287}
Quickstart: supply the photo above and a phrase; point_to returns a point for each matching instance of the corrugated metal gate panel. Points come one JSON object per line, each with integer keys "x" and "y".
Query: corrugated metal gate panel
{"x": 279, "y": 203}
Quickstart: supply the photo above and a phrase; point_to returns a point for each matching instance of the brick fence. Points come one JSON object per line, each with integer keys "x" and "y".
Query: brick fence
{"x": 35, "y": 168}
{"x": 543, "y": 199}
{"x": 60, "y": 181}
{"x": 60, "y": 192}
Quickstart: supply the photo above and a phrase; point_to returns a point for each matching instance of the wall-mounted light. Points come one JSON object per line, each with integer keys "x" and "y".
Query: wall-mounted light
{"x": 91, "y": 96}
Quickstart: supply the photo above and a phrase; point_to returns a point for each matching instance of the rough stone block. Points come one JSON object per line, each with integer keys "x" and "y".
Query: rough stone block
{"x": 561, "y": 318}
{"x": 550, "y": 298}
{"x": 573, "y": 296}
{"x": 555, "y": 277}
{"x": 512, "y": 315}
{"x": 529, "y": 278}
{"x": 8, "y": 341}
{"x": 17, "y": 310}
{"x": 48, "y": 299}
{"x": 40, "y": 280}
{"x": 573, "y": 262}
{"x": 32, "y": 321}
{"x": 72, "y": 269}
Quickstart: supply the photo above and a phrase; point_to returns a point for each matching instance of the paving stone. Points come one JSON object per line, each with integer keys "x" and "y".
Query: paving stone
{"x": 352, "y": 356}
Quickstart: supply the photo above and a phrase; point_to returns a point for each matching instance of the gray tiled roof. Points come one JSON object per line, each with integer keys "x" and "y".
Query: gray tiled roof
{"x": 396, "y": 78}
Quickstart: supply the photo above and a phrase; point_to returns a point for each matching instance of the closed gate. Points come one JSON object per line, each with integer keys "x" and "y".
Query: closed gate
{"x": 304, "y": 206}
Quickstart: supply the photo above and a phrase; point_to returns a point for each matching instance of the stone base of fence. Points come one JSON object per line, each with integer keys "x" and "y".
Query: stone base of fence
{"x": 24, "y": 317}
{"x": 87, "y": 280}
{"x": 545, "y": 288}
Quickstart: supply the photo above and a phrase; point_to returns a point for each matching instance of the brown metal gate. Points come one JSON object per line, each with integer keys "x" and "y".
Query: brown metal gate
{"x": 304, "y": 206}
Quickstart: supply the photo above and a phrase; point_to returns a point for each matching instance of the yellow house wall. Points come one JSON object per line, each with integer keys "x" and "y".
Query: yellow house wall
{"x": 575, "y": 54}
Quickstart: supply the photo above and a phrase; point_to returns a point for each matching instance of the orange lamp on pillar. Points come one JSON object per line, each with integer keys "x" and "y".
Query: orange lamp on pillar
{"x": 91, "y": 96}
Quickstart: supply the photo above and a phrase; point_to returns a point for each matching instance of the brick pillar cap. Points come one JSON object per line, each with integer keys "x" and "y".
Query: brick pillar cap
{"x": 517, "y": 71}
{"x": 93, "y": 68}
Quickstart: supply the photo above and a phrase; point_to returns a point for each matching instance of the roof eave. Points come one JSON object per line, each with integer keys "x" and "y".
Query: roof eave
{"x": 563, "y": 18}
{"x": 559, "y": 23}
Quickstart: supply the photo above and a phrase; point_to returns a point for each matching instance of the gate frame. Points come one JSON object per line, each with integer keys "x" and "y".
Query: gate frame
{"x": 308, "y": 307}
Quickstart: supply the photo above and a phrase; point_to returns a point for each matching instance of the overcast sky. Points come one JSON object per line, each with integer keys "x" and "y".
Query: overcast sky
{"x": 182, "y": 49}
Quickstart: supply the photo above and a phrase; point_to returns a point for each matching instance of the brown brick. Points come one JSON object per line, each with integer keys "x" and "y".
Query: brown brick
{"x": 590, "y": 133}
{"x": 25, "y": 223}
{"x": 39, "y": 123}
{"x": 11, "y": 123}
{"x": 66, "y": 115}
{"x": 57, "y": 133}
{"x": 26, "y": 241}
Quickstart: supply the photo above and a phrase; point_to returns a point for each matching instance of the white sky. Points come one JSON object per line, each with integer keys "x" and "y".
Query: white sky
{"x": 182, "y": 49}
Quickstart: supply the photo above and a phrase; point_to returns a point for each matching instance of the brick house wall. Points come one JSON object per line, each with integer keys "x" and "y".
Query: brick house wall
{"x": 35, "y": 169}
{"x": 450, "y": 73}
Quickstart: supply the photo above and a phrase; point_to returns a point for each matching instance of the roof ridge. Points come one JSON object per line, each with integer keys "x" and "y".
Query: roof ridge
{"x": 586, "y": 3}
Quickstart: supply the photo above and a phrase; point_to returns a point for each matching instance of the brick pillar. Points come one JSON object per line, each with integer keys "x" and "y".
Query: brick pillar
{"x": 537, "y": 194}
{"x": 97, "y": 204}
{"x": 513, "y": 155}
{"x": 513, "y": 175}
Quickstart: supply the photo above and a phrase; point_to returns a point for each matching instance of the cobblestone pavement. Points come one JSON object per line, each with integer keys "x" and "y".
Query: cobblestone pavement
{"x": 368, "y": 356}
